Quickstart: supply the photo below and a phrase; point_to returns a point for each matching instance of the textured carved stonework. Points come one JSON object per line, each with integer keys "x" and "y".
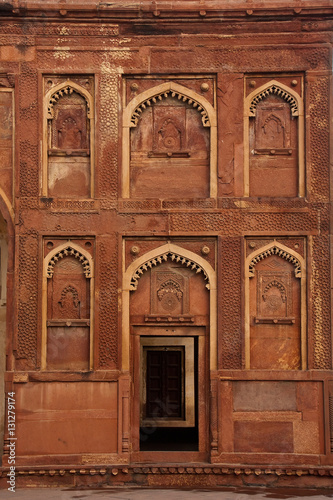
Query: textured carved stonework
{"x": 181, "y": 204}
{"x": 57, "y": 30}
{"x": 275, "y": 250}
{"x": 170, "y": 145}
{"x": 319, "y": 137}
{"x": 277, "y": 91}
{"x": 229, "y": 305}
{"x": 69, "y": 205}
{"x": 232, "y": 222}
{"x": 108, "y": 99}
{"x": 101, "y": 170}
{"x": 173, "y": 94}
{"x": 274, "y": 298}
{"x": 251, "y": 57}
{"x": 295, "y": 244}
{"x": 69, "y": 303}
{"x": 204, "y": 86}
{"x": 28, "y": 169}
{"x": 28, "y": 96}
{"x": 169, "y": 293}
{"x": 69, "y": 251}
{"x": 321, "y": 308}
{"x": 273, "y": 128}
{"x": 108, "y": 306}
{"x": 163, "y": 258}
{"x": 169, "y": 132}
{"x": 28, "y": 303}
{"x": 66, "y": 100}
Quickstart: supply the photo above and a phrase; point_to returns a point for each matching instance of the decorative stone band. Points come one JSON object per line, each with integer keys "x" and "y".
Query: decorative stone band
{"x": 169, "y": 93}
{"x": 69, "y": 252}
{"x": 163, "y": 258}
{"x": 274, "y": 89}
{"x": 281, "y": 253}
{"x": 186, "y": 469}
{"x": 66, "y": 90}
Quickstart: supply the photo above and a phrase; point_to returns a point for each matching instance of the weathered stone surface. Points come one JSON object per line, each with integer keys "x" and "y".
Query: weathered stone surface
{"x": 165, "y": 187}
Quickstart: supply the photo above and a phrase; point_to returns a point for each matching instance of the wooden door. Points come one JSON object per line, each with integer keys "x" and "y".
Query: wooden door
{"x": 164, "y": 385}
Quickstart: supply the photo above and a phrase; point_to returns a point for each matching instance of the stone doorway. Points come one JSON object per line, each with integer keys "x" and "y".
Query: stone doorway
{"x": 169, "y": 315}
{"x": 169, "y": 293}
{"x": 168, "y": 394}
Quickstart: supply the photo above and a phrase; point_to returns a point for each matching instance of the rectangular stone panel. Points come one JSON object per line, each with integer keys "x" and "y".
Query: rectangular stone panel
{"x": 66, "y": 418}
{"x": 68, "y": 436}
{"x": 69, "y": 176}
{"x": 68, "y": 348}
{"x": 264, "y": 396}
{"x": 264, "y": 437}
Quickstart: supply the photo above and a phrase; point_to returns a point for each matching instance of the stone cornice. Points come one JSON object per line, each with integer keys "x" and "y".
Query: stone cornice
{"x": 147, "y": 9}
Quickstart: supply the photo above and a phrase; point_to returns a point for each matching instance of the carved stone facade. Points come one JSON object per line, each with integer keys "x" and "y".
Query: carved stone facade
{"x": 166, "y": 232}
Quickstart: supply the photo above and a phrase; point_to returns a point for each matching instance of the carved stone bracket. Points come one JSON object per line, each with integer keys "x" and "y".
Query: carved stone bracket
{"x": 274, "y": 89}
{"x": 69, "y": 252}
{"x": 169, "y": 93}
{"x": 163, "y": 258}
{"x": 275, "y": 250}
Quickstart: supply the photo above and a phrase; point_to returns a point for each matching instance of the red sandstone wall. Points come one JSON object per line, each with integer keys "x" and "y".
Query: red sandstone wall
{"x": 268, "y": 412}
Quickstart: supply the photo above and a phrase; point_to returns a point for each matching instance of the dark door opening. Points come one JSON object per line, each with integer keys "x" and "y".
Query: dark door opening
{"x": 169, "y": 396}
{"x": 165, "y": 387}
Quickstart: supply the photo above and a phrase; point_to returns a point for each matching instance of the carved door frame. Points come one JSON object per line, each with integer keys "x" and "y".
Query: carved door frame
{"x": 206, "y": 340}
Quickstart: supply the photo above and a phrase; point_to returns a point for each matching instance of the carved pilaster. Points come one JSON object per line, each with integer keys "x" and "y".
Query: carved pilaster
{"x": 213, "y": 417}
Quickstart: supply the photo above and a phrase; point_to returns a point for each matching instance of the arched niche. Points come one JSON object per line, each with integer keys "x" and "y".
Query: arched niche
{"x": 153, "y": 259}
{"x": 169, "y": 144}
{"x": 68, "y": 145}
{"x": 68, "y": 287}
{"x": 274, "y": 142}
{"x": 275, "y": 309}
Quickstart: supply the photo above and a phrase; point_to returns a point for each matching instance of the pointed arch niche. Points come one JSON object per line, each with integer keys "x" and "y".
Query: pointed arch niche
{"x": 67, "y": 311}
{"x": 275, "y": 309}
{"x": 151, "y": 260}
{"x": 68, "y": 146}
{"x": 169, "y": 144}
{"x": 274, "y": 142}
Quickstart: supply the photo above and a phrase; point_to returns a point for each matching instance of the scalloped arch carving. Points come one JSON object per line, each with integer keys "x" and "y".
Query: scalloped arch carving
{"x": 66, "y": 88}
{"x": 69, "y": 251}
{"x": 279, "y": 90}
{"x": 280, "y": 252}
{"x": 163, "y": 95}
{"x": 173, "y": 256}
{"x": 148, "y": 98}
{"x": 279, "y": 286}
